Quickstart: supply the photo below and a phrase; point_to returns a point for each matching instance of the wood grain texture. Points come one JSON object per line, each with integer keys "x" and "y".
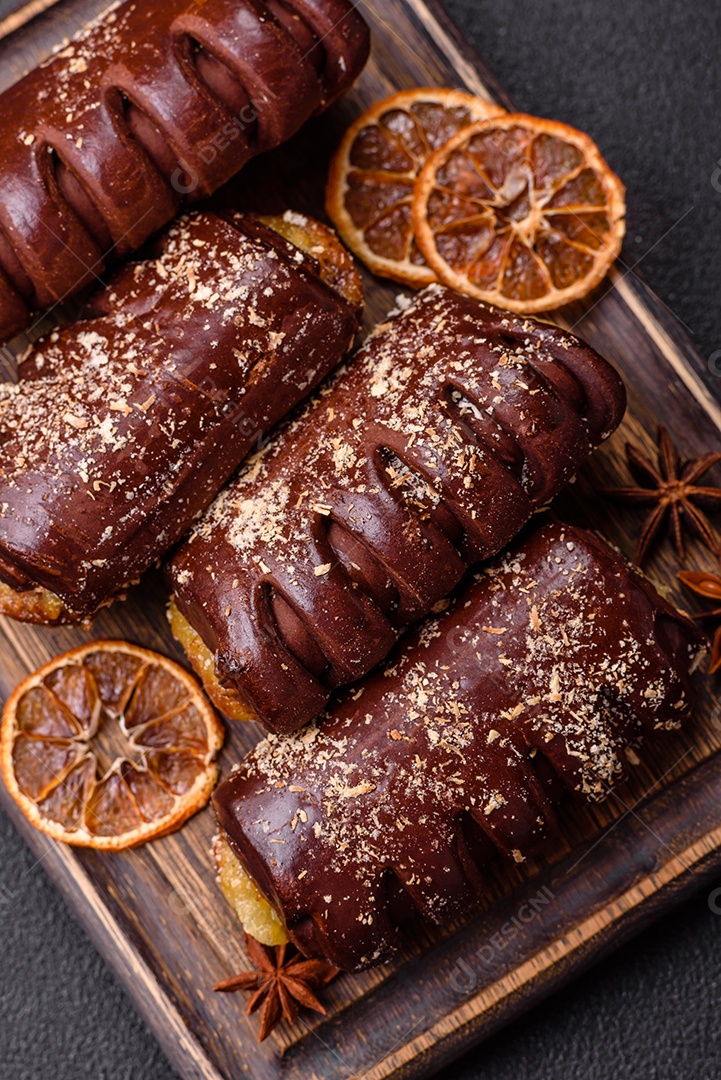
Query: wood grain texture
{"x": 155, "y": 914}
{"x": 23, "y": 15}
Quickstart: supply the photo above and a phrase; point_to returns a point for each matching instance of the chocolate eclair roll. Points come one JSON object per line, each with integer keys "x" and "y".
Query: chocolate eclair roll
{"x": 156, "y": 103}
{"x": 124, "y": 426}
{"x": 450, "y": 428}
{"x": 542, "y": 678}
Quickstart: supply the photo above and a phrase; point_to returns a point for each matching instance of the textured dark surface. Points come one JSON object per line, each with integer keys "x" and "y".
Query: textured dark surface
{"x": 643, "y": 79}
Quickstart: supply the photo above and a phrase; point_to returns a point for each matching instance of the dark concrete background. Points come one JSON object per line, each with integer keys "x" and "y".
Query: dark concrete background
{"x": 642, "y": 77}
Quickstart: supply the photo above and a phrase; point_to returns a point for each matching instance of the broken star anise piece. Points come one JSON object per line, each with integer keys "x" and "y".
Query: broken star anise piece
{"x": 673, "y": 487}
{"x": 280, "y": 983}
{"x": 709, "y": 586}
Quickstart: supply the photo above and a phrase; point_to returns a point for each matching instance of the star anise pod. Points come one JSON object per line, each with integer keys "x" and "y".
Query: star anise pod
{"x": 280, "y": 983}
{"x": 672, "y": 486}
{"x": 709, "y": 586}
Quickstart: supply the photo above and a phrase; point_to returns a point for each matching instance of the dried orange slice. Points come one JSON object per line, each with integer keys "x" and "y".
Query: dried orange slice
{"x": 373, "y": 174}
{"x": 109, "y": 746}
{"x": 520, "y": 212}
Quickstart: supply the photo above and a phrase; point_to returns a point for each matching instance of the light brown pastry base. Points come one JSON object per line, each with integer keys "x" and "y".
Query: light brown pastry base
{"x": 257, "y": 917}
{"x": 337, "y": 266}
{"x": 33, "y": 606}
{"x": 203, "y": 663}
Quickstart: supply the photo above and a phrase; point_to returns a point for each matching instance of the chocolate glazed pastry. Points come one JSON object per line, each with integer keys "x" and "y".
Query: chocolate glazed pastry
{"x": 557, "y": 660}
{"x": 157, "y": 102}
{"x": 452, "y": 426}
{"x": 124, "y": 426}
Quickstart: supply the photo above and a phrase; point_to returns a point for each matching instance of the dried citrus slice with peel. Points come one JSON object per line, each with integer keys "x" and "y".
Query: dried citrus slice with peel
{"x": 373, "y": 174}
{"x": 520, "y": 212}
{"x": 109, "y": 746}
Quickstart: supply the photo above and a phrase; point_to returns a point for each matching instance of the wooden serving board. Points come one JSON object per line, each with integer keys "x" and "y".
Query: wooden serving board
{"x": 155, "y": 914}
